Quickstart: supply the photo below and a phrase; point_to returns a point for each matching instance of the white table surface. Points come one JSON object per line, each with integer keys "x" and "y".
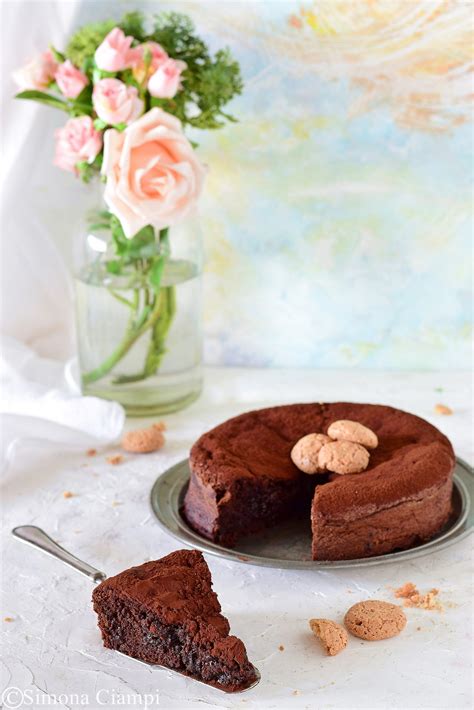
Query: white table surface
{"x": 52, "y": 648}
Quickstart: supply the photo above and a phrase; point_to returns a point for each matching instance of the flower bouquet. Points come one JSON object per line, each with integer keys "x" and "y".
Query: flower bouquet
{"x": 130, "y": 91}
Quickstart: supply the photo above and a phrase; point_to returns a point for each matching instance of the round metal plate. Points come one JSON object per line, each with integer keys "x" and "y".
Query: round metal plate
{"x": 289, "y": 546}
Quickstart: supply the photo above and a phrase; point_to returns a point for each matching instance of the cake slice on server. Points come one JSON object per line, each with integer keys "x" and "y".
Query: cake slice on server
{"x": 165, "y": 613}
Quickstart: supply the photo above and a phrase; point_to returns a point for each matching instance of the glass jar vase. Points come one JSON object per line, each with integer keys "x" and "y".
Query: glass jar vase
{"x": 138, "y": 314}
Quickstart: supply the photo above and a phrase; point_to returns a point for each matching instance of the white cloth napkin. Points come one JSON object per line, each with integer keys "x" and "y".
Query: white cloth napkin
{"x": 41, "y": 404}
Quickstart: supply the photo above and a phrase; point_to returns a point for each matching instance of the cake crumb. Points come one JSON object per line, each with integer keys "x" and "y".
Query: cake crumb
{"x": 8, "y": 619}
{"x": 91, "y": 452}
{"x": 443, "y": 409}
{"x": 68, "y": 494}
{"x": 115, "y": 503}
{"x": 281, "y": 648}
{"x": 296, "y": 692}
{"x": 425, "y": 601}
{"x": 406, "y": 590}
{"x": 413, "y": 598}
{"x": 115, "y": 459}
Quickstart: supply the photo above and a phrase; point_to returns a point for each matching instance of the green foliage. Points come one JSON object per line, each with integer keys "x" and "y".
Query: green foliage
{"x": 133, "y": 24}
{"x": 85, "y": 97}
{"x": 44, "y": 98}
{"x": 99, "y": 124}
{"x": 142, "y": 252}
{"x": 75, "y": 107}
{"x": 59, "y": 57}
{"x": 98, "y": 74}
{"x": 141, "y": 246}
{"x": 175, "y": 33}
{"x": 208, "y": 83}
{"x": 156, "y": 271}
{"x": 85, "y": 41}
{"x": 86, "y": 171}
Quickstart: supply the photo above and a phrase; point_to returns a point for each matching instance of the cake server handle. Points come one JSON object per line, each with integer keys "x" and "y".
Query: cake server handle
{"x": 38, "y": 538}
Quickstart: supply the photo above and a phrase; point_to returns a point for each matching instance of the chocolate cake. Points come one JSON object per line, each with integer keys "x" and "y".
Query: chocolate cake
{"x": 165, "y": 612}
{"x": 243, "y": 480}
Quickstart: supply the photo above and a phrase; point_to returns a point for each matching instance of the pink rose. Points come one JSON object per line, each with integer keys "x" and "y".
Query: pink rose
{"x": 70, "y": 80}
{"x": 38, "y": 73}
{"x": 153, "y": 174}
{"x": 114, "y": 52}
{"x": 137, "y": 55}
{"x": 77, "y": 142}
{"x": 166, "y": 81}
{"x": 115, "y": 102}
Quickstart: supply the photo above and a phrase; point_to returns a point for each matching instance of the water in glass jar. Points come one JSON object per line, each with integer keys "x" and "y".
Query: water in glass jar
{"x": 103, "y": 317}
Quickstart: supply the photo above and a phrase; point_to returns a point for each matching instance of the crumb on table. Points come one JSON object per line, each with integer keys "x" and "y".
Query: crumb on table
{"x": 406, "y": 590}
{"x": 443, "y": 409}
{"x": 91, "y": 452}
{"x": 115, "y": 459}
{"x": 413, "y": 598}
{"x": 281, "y": 647}
{"x": 68, "y": 494}
{"x": 8, "y": 619}
{"x": 425, "y": 601}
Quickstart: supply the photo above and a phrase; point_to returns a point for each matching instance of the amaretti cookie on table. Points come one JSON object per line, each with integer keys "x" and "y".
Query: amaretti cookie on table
{"x": 371, "y": 478}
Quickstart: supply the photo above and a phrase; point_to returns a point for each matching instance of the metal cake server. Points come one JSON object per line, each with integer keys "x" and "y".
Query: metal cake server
{"x": 38, "y": 538}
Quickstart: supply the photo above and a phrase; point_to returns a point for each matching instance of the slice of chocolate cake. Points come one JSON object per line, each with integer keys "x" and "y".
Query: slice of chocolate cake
{"x": 165, "y": 613}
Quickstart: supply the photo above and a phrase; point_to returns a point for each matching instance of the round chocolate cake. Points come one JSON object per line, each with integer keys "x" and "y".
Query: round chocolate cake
{"x": 243, "y": 480}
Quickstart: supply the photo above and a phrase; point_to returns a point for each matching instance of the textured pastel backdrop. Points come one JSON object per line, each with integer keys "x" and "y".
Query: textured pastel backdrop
{"x": 337, "y": 214}
{"x": 339, "y": 209}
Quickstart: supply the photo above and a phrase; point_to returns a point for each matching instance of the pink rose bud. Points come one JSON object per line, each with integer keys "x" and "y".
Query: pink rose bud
{"x": 38, "y": 73}
{"x": 115, "y": 102}
{"x": 114, "y": 52}
{"x": 137, "y": 58}
{"x": 70, "y": 80}
{"x": 153, "y": 174}
{"x": 166, "y": 81}
{"x": 77, "y": 142}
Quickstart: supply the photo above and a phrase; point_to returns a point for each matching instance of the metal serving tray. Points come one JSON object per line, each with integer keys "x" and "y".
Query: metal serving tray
{"x": 289, "y": 546}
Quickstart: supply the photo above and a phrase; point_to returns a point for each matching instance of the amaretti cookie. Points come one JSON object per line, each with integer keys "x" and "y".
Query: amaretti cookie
{"x": 333, "y": 636}
{"x": 375, "y": 620}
